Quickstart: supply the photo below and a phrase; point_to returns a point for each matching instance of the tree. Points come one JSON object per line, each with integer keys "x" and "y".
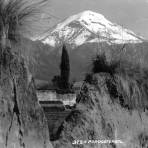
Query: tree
{"x": 56, "y": 81}
{"x": 65, "y": 68}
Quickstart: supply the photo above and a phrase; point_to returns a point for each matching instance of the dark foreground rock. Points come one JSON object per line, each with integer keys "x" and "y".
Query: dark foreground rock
{"x": 22, "y": 121}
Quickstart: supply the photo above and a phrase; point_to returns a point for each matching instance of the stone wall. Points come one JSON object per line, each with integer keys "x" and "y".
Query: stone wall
{"x": 67, "y": 99}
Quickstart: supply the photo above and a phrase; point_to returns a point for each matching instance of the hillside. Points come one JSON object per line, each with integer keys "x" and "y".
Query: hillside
{"x": 112, "y": 105}
{"x": 100, "y": 115}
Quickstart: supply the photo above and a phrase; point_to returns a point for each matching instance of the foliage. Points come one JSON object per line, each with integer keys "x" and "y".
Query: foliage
{"x": 15, "y": 16}
{"x": 61, "y": 82}
{"x": 56, "y": 81}
{"x": 89, "y": 78}
{"x": 131, "y": 83}
{"x": 65, "y": 69}
{"x": 100, "y": 64}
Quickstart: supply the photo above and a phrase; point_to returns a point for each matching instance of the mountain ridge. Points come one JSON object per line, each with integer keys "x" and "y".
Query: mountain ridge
{"x": 89, "y": 26}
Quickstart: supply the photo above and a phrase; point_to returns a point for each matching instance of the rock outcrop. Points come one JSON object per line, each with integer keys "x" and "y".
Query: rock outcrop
{"x": 98, "y": 117}
{"x": 22, "y": 121}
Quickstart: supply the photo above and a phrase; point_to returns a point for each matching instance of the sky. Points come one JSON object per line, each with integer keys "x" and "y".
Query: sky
{"x": 131, "y": 14}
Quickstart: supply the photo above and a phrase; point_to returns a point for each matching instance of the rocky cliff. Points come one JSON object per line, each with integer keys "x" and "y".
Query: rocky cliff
{"x": 100, "y": 115}
{"x": 22, "y": 121}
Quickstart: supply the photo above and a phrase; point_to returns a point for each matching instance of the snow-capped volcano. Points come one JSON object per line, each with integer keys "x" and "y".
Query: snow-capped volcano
{"x": 88, "y": 27}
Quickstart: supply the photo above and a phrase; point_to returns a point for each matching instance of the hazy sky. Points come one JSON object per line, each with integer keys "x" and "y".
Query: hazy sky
{"x": 132, "y": 14}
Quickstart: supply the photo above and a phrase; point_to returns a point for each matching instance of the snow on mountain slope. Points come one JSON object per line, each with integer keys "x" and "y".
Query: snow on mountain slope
{"x": 88, "y": 27}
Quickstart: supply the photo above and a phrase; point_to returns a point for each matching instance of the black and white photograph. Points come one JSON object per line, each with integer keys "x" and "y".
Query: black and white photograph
{"x": 73, "y": 73}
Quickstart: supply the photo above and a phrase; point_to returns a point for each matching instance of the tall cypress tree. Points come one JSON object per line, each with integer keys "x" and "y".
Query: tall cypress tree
{"x": 65, "y": 68}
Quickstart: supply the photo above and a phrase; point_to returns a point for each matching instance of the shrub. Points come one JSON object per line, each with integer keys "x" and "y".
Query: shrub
{"x": 56, "y": 81}
{"x": 100, "y": 64}
{"x": 89, "y": 78}
{"x": 15, "y": 16}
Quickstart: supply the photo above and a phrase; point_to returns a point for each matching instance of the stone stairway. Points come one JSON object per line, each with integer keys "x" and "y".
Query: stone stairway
{"x": 55, "y": 114}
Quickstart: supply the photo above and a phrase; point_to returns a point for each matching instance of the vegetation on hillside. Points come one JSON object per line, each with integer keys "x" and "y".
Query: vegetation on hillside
{"x": 100, "y": 64}
{"x": 95, "y": 117}
{"x": 127, "y": 82}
